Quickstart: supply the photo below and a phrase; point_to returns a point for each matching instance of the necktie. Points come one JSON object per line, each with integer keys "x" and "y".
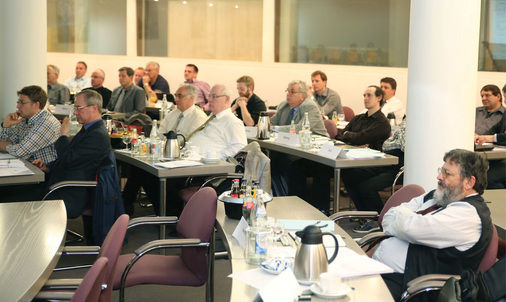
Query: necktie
{"x": 291, "y": 115}
{"x": 201, "y": 127}
{"x": 178, "y": 121}
{"x": 429, "y": 209}
{"x": 117, "y": 108}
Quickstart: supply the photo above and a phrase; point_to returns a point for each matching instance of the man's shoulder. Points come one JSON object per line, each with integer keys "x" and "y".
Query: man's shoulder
{"x": 44, "y": 116}
{"x": 161, "y": 78}
{"x": 308, "y": 104}
{"x": 331, "y": 92}
{"x": 255, "y": 98}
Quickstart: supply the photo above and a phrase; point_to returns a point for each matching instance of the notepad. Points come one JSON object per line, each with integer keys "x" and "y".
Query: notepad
{"x": 297, "y": 225}
{"x": 178, "y": 164}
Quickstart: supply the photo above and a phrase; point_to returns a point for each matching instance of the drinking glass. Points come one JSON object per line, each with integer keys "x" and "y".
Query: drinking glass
{"x": 341, "y": 117}
{"x": 335, "y": 118}
{"x": 126, "y": 137}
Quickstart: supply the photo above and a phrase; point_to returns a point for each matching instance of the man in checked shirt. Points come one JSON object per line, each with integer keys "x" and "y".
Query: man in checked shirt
{"x": 31, "y": 131}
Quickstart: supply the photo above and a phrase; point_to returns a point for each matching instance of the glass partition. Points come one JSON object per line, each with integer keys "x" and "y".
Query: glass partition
{"x": 86, "y": 26}
{"x": 493, "y": 36}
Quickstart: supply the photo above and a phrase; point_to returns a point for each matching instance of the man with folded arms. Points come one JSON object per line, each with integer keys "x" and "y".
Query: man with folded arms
{"x": 57, "y": 93}
{"x": 127, "y": 98}
{"x": 445, "y": 231}
{"x": 248, "y": 105}
{"x": 30, "y": 132}
{"x": 492, "y": 110}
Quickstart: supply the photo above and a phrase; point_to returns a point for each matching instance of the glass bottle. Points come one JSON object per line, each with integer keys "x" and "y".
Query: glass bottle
{"x": 305, "y": 133}
{"x": 135, "y": 142}
{"x": 292, "y": 127}
{"x": 248, "y": 205}
{"x": 235, "y": 190}
{"x": 259, "y": 213}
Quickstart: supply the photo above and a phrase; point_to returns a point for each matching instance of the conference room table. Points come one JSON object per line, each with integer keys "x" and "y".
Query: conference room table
{"x": 499, "y": 152}
{"x": 335, "y": 163}
{"x": 33, "y": 236}
{"x": 366, "y": 288}
{"x": 36, "y": 177}
{"x": 148, "y": 165}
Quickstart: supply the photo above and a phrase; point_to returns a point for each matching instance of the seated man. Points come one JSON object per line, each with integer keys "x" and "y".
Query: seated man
{"x": 297, "y": 103}
{"x": 57, "y": 93}
{"x": 496, "y": 175}
{"x": 97, "y": 84}
{"x": 191, "y": 72}
{"x": 79, "y": 157}
{"x": 248, "y": 105}
{"x": 444, "y": 231}
{"x": 127, "y": 98}
{"x": 222, "y": 133}
{"x": 152, "y": 81}
{"x": 326, "y": 98}
{"x": 186, "y": 117}
{"x": 30, "y": 132}
{"x": 80, "y": 81}
{"x": 492, "y": 110}
{"x": 392, "y": 104}
{"x": 363, "y": 184}
{"x": 368, "y": 129}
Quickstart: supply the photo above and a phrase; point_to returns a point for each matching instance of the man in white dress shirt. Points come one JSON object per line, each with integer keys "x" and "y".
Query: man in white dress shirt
{"x": 445, "y": 231}
{"x": 187, "y": 117}
{"x": 392, "y": 103}
{"x": 80, "y": 81}
{"x": 224, "y": 133}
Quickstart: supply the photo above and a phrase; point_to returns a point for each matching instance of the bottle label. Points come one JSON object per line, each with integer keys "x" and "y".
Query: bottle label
{"x": 250, "y": 205}
{"x": 261, "y": 244}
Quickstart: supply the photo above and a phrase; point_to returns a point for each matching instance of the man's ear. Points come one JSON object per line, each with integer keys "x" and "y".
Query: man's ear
{"x": 469, "y": 182}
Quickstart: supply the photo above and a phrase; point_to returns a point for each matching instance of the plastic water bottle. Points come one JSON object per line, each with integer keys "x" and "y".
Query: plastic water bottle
{"x": 305, "y": 133}
{"x": 259, "y": 213}
{"x": 165, "y": 107}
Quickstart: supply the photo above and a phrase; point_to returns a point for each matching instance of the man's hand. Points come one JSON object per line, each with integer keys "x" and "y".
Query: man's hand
{"x": 480, "y": 139}
{"x": 65, "y": 127}
{"x": 40, "y": 164}
{"x": 12, "y": 119}
{"x": 145, "y": 79}
{"x": 310, "y": 92}
{"x": 242, "y": 102}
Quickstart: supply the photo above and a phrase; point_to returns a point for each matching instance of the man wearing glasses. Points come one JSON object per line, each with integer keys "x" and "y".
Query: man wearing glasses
{"x": 187, "y": 117}
{"x": 445, "y": 231}
{"x": 296, "y": 104}
{"x": 79, "y": 157}
{"x": 492, "y": 110}
{"x": 30, "y": 132}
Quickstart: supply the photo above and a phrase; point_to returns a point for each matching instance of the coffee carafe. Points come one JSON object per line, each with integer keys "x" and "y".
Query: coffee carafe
{"x": 391, "y": 119}
{"x": 311, "y": 257}
{"x": 172, "y": 146}
{"x": 263, "y": 125}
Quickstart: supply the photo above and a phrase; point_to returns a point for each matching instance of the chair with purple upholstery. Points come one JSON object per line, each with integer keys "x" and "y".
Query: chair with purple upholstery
{"x": 110, "y": 249}
{"x": 331, "y": 128}
{"x": 195, "y": 264}
{"x": 93, "y": 283}
{"x": 348, "y": 113}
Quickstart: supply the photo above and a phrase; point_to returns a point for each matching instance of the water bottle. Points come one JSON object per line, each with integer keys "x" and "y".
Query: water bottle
{"x": 305, "y": 133}
{"x": 292, "y": 127}
{"x": 259, "y": 213}
{"x": 235, "y": 192}
{"x": 135, "y": 142}
{"x": 154, "y": 131}
{"x": 164, "y": 109}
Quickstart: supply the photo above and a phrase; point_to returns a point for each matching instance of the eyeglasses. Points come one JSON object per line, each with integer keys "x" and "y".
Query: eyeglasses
{"x": 22, "y": 103}
{"x": 214, "y": 96}
{"x": 292, "y": 92}
{"x": 445, "y": 172}
{"x": 81, "y": 107}
{"x": 180, "y": 96}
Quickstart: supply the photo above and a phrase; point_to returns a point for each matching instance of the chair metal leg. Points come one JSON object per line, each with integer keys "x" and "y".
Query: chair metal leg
{"x": 78, "y": 236}
{"x": 210, "y": 270}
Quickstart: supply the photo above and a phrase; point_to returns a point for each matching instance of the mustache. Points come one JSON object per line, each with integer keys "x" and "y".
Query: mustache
{"x": 440, "y": 183}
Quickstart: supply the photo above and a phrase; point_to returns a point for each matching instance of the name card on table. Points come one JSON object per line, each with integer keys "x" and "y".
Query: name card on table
{"x": 251, "y": 131}
{"x": 63, "y": 109}
{"x": 290, "y": 139}
{"x": 331, "y": 151}
{"x": 240, "y": 232}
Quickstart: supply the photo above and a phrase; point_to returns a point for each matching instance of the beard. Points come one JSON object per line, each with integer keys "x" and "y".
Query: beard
{"x": 447, "y": 195}
{"x": 247, "y": 94}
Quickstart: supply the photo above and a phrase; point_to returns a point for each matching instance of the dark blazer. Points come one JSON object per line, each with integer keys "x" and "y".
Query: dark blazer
{"x": 500, "y": 130}
{"x": 134, "y": 100}
{"x": 78, "y": 159}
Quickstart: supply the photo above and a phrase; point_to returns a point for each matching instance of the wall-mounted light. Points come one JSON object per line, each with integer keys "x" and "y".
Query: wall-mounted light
{"x": 210, "y": 4}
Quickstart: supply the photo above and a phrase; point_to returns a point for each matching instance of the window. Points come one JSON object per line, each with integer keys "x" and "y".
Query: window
{"x": 361, "y": 32}
{"x": 83, "y": 26}
{"x": 493, "y": 36}
{"x": 203, "y": 29}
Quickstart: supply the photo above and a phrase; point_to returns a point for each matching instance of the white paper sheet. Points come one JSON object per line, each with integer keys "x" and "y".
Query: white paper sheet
{"x": 178, "y": 164}
{"x": 349, "y": 264}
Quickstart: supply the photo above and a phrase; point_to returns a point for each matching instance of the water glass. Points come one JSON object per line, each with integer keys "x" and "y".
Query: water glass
{"x": 341, "y": 117}
{"x": 335, "y": 118}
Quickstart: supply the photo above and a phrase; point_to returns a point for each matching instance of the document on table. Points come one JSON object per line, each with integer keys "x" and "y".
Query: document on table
{"x": 297, "y": 224}
{"x": 360, "y": 153}
{"x": 178, "y": 164}
{"x": 13, "y": 167}
{"x": 6, "y": 156}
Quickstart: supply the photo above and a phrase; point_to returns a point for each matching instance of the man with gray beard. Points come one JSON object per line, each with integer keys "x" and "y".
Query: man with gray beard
{"x": 445, "y": 231}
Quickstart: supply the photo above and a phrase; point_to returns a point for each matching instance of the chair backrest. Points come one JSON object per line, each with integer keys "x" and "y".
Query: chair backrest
{"x": 90, "y": 288}
{"x": 331, "y": 128}
{"x": 257, "y": 166}
{"x": 404, "y": 194}
{"x": 491, "y": 254}
{"x": 197, "y": 221}
{"x": 111, "y": 249}
{"x": 348, "y": 113}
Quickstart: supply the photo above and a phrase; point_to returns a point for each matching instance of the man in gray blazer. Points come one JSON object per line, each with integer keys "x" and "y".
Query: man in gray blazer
{"x": 296, "y": 104}
{"x": 127, "y": 98}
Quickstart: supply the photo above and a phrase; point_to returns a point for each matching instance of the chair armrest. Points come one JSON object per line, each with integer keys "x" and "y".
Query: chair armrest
{"x": 54, "y": 295}
{"x": 353, "y": 214}
{"x": 169, "y": 243}
{"x": 69, "y": 183}
{"x": 139, "y": 221}
{"x": 369, "y": 238}
{"x": 229, "y": 175}
{"x": 81, "y": 250}
{"x": 62, "y": 284}
{"x": 431, "y": 277}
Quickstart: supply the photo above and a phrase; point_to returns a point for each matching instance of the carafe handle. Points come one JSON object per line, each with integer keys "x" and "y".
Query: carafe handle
{"x": 336, "y": 246}
{"x": 181, "y": 146}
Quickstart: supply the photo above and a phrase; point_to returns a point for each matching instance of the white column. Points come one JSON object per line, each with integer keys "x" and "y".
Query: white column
{"x": 442, "y": 75}
{"x": 23, "y": 36}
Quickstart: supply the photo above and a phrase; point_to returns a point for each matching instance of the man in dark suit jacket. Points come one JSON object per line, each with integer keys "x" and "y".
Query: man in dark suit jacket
{"x": 80, "y": 157}
{"x": 127, "y": 98}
